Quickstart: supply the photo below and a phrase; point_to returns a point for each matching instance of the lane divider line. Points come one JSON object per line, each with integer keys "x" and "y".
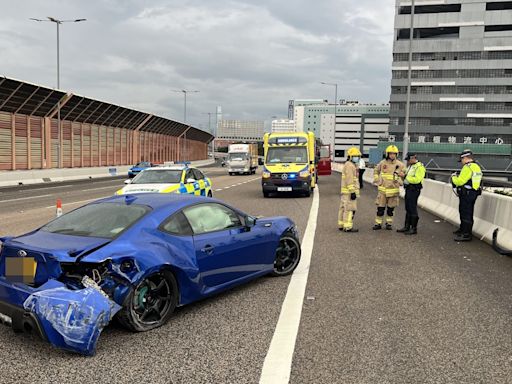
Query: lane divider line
{"x": 81, "y": 201}
{"x": 278, "y": 361}
{"x": 25, "y": 198}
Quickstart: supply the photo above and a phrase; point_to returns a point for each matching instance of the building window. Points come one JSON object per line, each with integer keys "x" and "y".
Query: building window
{"x": 429, "y": 33}
{"x": 498, "y": 28}
{"x": 498, "y": 5}
{"x": 444, "y": 8}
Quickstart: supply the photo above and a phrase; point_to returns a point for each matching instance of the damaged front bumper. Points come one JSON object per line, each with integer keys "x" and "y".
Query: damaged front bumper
{"x": 71, "y": 319}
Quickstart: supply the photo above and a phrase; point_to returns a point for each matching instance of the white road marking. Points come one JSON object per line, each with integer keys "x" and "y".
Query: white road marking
{"x": 24, "y": 198}
{"x": 278, "y": 362}
{"x": 78, "y": 202}
{"x": 95, "y": 189}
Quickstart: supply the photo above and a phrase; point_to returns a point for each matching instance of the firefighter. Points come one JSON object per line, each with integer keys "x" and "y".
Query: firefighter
{"x": 349, "y": 191}
{"x": 468, "y": 185}
{"x": 387, "y": 178}
{"x": 413, "y": 183}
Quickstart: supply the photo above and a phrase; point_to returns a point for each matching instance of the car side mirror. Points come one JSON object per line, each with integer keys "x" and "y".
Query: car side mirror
{"x": 191, "y": 181}
{"x": 250, "y": 221}
{"x": 128, "y": 181}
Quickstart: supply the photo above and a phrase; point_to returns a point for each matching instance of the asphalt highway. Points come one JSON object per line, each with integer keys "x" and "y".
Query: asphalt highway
{"x": 379, "y": 307}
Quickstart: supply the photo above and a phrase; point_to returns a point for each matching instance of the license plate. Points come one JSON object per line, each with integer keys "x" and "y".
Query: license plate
{"x": 20, "y": 269}
{"x": 284, "y": 189}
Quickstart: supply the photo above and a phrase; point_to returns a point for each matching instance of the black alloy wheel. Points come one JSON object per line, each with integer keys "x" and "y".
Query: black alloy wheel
{"x": 287, "y": 255}
{"x": 151, "y": 303}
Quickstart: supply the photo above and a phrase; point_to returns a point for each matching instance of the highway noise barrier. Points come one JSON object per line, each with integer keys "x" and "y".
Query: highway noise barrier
{"x": 58, "y": 211}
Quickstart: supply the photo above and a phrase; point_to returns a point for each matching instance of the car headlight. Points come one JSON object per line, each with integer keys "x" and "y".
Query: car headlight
{"x": 265, "y": 175}
{"x": 304, "y": 174}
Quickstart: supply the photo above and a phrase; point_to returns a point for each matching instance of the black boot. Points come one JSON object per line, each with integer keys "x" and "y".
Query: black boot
{"x": 407, "y": 224}
{"x": 414, "y": 226}
{"x": 466, "y": 232}
{"x": 457, "y": 232}
{"x": 389, "y": 227}
{"x": 376, "y": 227}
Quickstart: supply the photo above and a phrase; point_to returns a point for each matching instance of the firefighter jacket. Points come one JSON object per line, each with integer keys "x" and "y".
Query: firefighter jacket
{"x": 349, "y": 179}
{"x": 386, "y": 177}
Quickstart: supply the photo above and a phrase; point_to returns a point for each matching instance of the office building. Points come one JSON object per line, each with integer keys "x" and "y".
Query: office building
{"x": 240, "y": 130}
{"x": 283, "y": 125}
{"x": 461, "y": 80}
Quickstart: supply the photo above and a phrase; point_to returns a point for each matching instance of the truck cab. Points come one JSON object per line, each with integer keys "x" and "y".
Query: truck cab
{"x": 242, "y": 159}
{"x": 289, "y": 163}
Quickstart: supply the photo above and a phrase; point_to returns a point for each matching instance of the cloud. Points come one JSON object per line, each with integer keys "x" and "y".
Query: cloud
{"x": 248, "y": 56}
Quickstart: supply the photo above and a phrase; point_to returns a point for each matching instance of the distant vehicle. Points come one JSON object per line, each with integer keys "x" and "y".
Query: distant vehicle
{"x": 242, "y": 158}
{"x": 137, "y": 257}
{"x": 137, "y": 168}
{"x": 170, "y": 179}
{"x": 290, "y": 163}
{"x": 324, "y": 160}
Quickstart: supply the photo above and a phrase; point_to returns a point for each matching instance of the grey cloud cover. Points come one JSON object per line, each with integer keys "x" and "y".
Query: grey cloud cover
{"x": 248, "y": 56}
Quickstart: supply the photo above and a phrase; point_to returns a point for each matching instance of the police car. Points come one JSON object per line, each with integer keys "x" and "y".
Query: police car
{"x": 169, "y": 179}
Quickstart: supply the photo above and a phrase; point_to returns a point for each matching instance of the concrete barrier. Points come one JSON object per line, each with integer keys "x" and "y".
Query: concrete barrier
{"x": 35, "y": 176}
{"x": 491, "y": 210}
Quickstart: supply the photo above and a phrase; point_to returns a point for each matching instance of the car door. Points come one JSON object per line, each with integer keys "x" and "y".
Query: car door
{"x": 192, "y": 188}
{"x": 201, "y": 182}
{"x": 221, "y": 251}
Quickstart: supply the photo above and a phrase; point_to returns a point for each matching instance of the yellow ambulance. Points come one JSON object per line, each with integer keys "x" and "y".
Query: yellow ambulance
{"x": 289, "y": 163}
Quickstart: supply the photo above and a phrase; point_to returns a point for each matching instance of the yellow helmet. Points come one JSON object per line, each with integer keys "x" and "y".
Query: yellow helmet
{"x": 392, "y": 149}
{"x": 354, "y": 152}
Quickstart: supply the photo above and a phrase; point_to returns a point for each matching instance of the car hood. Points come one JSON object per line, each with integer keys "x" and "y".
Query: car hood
{"x": 149, "y": 188}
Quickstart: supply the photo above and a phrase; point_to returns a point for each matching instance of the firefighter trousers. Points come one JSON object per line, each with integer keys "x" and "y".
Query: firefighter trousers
{"x": 346, "y": 212}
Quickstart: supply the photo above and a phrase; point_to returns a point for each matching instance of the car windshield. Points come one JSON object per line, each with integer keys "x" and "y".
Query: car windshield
{"x": 143, "y": 164}
{"x": 237, "y": 156}
{"x": 97, "y": 220}
{"x": 158, "y": 176}
{"x": 287, "y": 155}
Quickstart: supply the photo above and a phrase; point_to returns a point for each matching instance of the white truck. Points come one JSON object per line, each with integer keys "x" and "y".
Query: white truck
{"x": 242, "y": 158}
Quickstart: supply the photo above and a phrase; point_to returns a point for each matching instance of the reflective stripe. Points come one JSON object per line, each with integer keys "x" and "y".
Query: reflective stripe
{"x": 389, "y": 219}
{"x": 378, "y": 220}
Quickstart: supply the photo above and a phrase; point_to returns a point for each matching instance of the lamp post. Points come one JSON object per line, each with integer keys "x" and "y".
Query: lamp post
{"x": 184, "y": 91}
{"x": 409, "y": 75}
{"x": 335, "y": 85}
{"x": 58, "y": 22}
{"x": 214, "y": 132}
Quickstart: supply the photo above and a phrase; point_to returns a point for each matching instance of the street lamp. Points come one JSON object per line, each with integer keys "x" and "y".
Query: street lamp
{"x": 210, "y": 129}
{"x": 184, "y": 91}
{"x": 58, "y": 22}
{"x": 409, "y": 75}
{"x": 335, "y": 85}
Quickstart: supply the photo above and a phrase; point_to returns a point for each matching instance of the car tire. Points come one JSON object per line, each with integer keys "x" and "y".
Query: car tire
{"x": 266, "y": 194}
{"x": 288, "y": 252}
{"x": 210, "y": 194}
{"x": 230, "y": 173}
{"x": 307, "y": 194}
{"x": 140, "y": 300}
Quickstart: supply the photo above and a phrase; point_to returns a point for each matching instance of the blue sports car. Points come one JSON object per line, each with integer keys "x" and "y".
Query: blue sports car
{"x": 138, "y": 168}
{"x": 136, "y": 257}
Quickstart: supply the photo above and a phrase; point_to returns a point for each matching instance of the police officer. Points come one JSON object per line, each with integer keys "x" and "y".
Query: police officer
{"x": 386, "y": 177}
{"x": 349, "y": 191}
{"x": 468, "y": 184}
{"x": 413, "y": 182}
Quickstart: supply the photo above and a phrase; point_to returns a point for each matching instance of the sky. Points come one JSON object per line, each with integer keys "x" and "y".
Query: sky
{"x": 250, "y": 57}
